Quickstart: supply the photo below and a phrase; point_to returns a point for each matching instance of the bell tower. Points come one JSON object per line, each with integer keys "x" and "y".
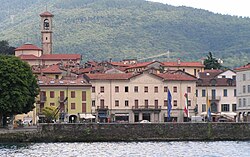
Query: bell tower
{"x": 46, "y": 30}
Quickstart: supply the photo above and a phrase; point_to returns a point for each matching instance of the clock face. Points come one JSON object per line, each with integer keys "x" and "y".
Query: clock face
{"x": 46, "y": 24}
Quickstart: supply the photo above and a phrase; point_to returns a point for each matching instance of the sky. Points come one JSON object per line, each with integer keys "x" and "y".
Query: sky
{"x": 230, "y": 7}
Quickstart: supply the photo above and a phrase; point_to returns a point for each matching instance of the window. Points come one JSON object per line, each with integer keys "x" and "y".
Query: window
{"x": 194, "y": 72}
{"x": 73, "y": 106}
{"x": 203, "y": 108}
{"x": 175, "y": 102}
{"x": 73, "y": 94}
{"x": 93, "y": 103}
{"x": 189, "y": 89}
{"x": 165, "y": 102}
{"x": 93, "y": 89}
{"x": 136, "y": 103}
{"x": 244, "y": 77}
{"x": 225, "y": 92}
{"x": 234, "y": 107}
{"x": 234, "y": 92}
{"x": 116, "y": 102}
{"x": 244, "y": 89}
{"x": 146, "y": 103}
{"x": 223, "y": 76}
{"x": 146, "y": 89}
{"x": 189, "y": 102}
{"x": 52, "y": 104}
{"x": 196, "y": 93}
{"x": 116, "y": 89}
{"x": 156, "y": 89}
{"x": 213, "y": 94}
{"x": 83, "y": 107}
{"x": 156, "y": 103}
{"x": 175, "y": 89}
{"x": 83, "y": 95}
{"x": 165, "y": 89}
{"x": 126, "y": 102}
{"x": 62, "y": 95}
{"x": 203, "y": 93}
{"x": 183, "y": 70}
{"x": 244, "y": 102}
{"x": 240, "y": 103}
{"x": 224, "y": 107}
{"x": 52, "y": 94}
{"x": 126, "y": 89}
{"x": 248, "y": 88}
{"x": 136, "y": 89}
{"x": 102, "y": 103}
{"x": 102, "y": 89}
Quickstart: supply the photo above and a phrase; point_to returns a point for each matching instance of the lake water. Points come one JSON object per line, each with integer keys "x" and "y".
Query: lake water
{"x": 128, "y": 149}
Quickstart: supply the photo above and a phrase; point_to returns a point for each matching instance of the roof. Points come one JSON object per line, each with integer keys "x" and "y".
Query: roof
{"x": 243, "y": 68}
{"x": 139, "y": 65}
{"x": 52, "y": 69}
{"x": 210, "y": 73}
{"x": 60, "y": 56}
{"x": 47, "y": 81}
{"x": 28, "y": 47}
{"x": 120, "y": 64}
{"x": 183, "y": 64}
{"x": 28, "y": 57}
{"x": 116, "y": 76}
{"x": 176, "y": 77}
{"x": 46, "y": 13}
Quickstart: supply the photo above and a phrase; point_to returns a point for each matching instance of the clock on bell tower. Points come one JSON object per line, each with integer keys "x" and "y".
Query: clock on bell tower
{"x": 46, "y": 31}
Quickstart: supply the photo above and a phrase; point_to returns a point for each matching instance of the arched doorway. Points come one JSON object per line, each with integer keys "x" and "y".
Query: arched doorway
{"x": 72, "y": 119}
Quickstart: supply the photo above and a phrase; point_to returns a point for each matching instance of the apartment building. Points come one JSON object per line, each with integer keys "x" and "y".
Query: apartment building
{"x": 219, "y": 88}
{"x": 243, "y": 92}
{"x": 132, "y": 97}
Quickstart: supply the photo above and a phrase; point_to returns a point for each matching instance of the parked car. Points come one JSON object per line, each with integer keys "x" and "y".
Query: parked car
{"x": 145, "y": 121}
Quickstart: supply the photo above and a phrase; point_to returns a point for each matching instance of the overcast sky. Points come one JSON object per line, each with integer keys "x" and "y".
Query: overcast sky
{"x": 231, "y": 7}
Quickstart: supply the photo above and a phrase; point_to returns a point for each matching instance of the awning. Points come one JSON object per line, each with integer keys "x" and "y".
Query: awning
{"x": 205, "y": 113}
{"x": 229, "y": 113}
{"x": 86, "y": 116}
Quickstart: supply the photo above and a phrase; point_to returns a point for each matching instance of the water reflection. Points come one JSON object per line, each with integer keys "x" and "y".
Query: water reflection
{"x": 123, "y": 149}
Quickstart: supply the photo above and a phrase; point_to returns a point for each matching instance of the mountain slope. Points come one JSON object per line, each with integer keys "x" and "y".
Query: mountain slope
{"x": 118, "y": 29}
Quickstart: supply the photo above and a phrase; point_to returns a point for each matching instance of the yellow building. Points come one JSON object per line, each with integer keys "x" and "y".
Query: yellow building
{"x": 71, "y": 97}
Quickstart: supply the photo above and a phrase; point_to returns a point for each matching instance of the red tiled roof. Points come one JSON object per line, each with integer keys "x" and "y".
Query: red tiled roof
{"x": 47, "y": 81}
{"x": 28, "y": 47}
{"x": 52, "y": 69}
{"x": 60, "y": 56}
{"x": 176, "y": 77}
{"x": 183, "y": 64}
{"x": 242, "y": 68}
{"x": 216, "y": 82}
{"x": 28, "y": 57}
{"x": 139, "y": 65}
{"x": 209, "y": 73}
{"x": 120, "y": 64}
{"x": 46, "y": 13}
{"x": 118, "y": 76}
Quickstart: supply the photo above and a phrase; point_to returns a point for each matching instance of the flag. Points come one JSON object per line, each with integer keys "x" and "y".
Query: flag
{"x": 186, "y": 105}
{"x": 208, "y": 109}
{"x": 169, "y": 104}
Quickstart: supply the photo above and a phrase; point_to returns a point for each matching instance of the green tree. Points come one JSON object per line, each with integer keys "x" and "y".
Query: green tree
{"x": 50, "y": 113}
{"x": 211, "y": 63}
{"x": 6, "y": 49}
{"x": 18, "y": 87}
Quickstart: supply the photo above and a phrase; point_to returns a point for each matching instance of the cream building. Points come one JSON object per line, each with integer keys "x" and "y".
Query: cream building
{"x": 220, "y": 86}
{"x": 243, "y": 92}
{"x": 128, "y": 97}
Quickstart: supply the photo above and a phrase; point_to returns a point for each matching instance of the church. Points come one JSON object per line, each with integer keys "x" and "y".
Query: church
{"x": 44, "y": 56}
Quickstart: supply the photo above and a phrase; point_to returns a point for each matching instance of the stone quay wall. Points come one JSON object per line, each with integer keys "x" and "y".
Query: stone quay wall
{"x": 92, "y": 132}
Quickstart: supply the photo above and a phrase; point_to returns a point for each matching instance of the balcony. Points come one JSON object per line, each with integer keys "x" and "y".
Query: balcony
{"x": 43, "y": 99}
{"x": 147, "y": 108}
{"x": 103, "y": 108}
{"x": 214, "y": 98}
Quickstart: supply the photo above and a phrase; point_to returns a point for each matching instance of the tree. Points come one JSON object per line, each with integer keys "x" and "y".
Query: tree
{"x": 211, "y": 63}
{"x": 6, "y": 49}
{"x": 50, "y": 113}
{"x": 18, "y": 87}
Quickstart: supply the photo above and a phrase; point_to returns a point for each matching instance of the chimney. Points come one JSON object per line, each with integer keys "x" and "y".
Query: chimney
{"x": 178, "y": 61}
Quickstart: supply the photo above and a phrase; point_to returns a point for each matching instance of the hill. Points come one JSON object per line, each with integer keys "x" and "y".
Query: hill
{"x": 118, "y": 29}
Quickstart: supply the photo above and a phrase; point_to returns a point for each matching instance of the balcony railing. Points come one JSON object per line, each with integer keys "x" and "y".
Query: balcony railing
{"x": 214, "y": 98}
{"x": 102, "y": 108}
{"x": 43, "y": 99}
{"x": 146, "y": 107}
{"x": 61, "y": 99}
